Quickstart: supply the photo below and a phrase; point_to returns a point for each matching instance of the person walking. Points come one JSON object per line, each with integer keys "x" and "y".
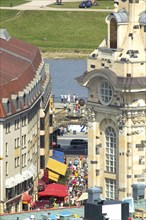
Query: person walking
{"x": 62, "y": 97}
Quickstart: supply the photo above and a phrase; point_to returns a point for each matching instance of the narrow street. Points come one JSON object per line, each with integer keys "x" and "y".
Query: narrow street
{"x": 72, "y": 153}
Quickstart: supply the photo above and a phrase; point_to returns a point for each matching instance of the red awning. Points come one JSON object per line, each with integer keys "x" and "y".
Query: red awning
{"x": 55, "y": 189}
{"x": 26, "y": 198}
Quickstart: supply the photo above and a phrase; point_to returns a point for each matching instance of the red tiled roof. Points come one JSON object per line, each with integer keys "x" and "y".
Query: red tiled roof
{"x": 18, "y": 64}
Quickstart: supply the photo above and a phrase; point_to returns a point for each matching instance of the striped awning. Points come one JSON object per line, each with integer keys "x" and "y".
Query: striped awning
{"x": 33, "y": 170}
{"x": 53, "y": 176}
{"x": 27, "y": 174}
{"x": 56, "y": 166}
{"x": 10, "y": 182}
{"x": 19, "y": 178}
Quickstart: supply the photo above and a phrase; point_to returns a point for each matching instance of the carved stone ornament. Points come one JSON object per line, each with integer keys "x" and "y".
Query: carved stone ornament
{"x": 90, "y": 124}
{"x": 139, "y": 119}
{"x": 121, "y": 120}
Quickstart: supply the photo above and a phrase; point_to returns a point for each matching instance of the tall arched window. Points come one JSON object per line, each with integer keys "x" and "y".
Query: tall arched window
{"x": 110, "y": 136}
{"x": 113, "y": 33}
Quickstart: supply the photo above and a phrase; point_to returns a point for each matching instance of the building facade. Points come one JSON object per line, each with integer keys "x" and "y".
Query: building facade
{"x": 25, "y": 91}
{"x": 116, "y": 83}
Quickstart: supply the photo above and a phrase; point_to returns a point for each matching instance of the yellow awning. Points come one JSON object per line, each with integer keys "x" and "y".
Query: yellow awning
{"x": 53, "y": 176}
{"x": 57, "y": 166}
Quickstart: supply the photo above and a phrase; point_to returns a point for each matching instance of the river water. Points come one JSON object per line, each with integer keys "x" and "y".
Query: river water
{"x": 63, "y": 73}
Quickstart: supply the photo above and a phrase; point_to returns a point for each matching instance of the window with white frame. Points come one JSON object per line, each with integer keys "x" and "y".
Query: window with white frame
{"x": 8, "y": 125}
{"x": 17, "y": 162}
{"x": 17, "y": 143}
{"x": 110, "y": 138}
{"x": 16, "y": 124}
{"x": 23, "y": 141}
{"x": 106, "y": 92}
{"x": 23, "y": 121}
{"x": 110, "y": 188}
{"x": 24, "y": 160}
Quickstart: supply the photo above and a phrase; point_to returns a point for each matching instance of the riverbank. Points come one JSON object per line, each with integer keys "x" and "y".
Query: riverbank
{"x": 65, "y": 55}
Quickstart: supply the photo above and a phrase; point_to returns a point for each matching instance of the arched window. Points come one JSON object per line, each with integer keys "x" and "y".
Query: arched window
{"x": 110, "y": 137}
{"x": 106, "y": 92}
{"x": 113, "y": 33}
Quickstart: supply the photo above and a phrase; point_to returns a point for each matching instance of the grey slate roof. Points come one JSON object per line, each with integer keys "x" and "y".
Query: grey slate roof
{"x": 119, "y": 83}
{"x": 121, "y": 16}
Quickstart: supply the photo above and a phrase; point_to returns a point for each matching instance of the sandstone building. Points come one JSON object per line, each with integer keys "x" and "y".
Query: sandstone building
{"x": 25, "y": 91}
{"x": 116, "y": 83}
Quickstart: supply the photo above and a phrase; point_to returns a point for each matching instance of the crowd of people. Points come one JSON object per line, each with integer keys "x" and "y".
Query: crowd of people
{"x": 78, "y": 180}
{"x": 71, "y": 103}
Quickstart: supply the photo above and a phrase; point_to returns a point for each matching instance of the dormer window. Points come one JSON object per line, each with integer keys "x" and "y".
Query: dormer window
{"x": 17, "y": 103}
{"x": 24, "y": 99}
{"x": 8, "y": 107}
{"x": 113, "y": 33}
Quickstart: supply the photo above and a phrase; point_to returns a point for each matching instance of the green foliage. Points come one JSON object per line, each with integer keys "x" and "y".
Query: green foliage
{"x": 56, "y": 30}
{"x": 64, "y": 179}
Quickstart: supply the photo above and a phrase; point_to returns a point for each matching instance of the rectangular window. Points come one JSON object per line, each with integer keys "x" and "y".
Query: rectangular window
{"x": 92, "y": 66}
{"x": 6, "y": 168}
{"x": 24, "y": 163}
{"x": 23, "y": 121}
{"x": 42, "y": 162}
{"x": 16, "y": 124}
{"x": 17, "y": 162}
{"x": 17, "y": 143}
{"x": 42, "y": 142}
{"x": 97, "y": 172}
{"x": 8, "y": 127}
{"x": 110, "y": 189}
{"x": 24, "y": 141}
{"x": 6, "y": 149}
{"x": 42, "y": 124}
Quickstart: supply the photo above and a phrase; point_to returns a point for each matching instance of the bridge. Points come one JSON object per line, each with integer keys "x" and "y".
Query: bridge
{"x": 71, "y": 113}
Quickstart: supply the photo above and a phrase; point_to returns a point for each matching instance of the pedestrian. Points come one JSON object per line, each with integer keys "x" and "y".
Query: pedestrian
{"x": 68, "y": 98}
{"x": 62, "y": 97}
{"x": 74, "y": 97}
{"x": 65, "y": 98}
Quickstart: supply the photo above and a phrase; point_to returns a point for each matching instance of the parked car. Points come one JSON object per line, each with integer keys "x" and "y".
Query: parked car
{"x": 85, "y": 4}
{"x": 78, "y": 143}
